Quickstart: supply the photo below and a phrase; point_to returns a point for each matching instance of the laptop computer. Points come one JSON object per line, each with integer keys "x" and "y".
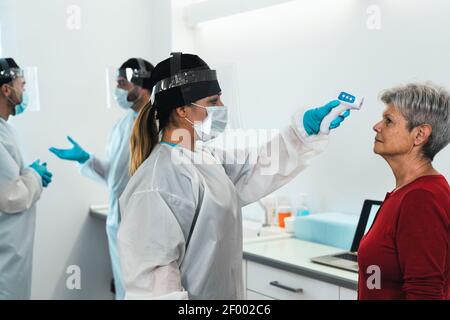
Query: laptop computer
{"x": 348, "y": 260}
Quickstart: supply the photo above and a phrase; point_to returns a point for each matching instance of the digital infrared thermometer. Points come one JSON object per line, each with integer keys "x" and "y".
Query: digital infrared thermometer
{"x": 347, "y": 102}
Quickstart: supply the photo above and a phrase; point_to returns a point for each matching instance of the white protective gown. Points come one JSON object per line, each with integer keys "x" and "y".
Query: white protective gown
{"x": 114, "y": 172}
{"x": 163, "y": 197}
{"x": 20, "y": 189}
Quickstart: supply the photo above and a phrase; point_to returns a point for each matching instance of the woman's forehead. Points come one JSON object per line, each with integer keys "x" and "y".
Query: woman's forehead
{"x": 391, "y": 110}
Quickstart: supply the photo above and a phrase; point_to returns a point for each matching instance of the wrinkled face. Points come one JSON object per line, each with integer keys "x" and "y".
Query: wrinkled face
{"x": 392, "y": 135}
{"x": 196, "y": 113}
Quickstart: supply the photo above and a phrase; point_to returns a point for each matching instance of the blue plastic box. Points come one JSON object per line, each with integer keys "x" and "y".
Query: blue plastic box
{"x": 330, "y": 228}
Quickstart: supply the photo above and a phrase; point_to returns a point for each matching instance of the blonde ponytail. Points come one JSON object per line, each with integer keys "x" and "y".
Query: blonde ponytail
{"x": 144, "y": 137}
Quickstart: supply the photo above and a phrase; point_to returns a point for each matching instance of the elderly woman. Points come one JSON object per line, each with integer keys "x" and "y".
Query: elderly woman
{"x": 406, "y": 253}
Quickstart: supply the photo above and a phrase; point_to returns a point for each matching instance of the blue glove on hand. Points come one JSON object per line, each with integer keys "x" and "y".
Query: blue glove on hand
{"x": 313, "y": 117}
{"x": 41, "y": 169}
{"x": 75, "y": 154}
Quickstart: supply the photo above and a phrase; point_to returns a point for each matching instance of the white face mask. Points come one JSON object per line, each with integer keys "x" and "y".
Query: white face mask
{"x": 214, "y": 123}
{"x": 121, "y": 96}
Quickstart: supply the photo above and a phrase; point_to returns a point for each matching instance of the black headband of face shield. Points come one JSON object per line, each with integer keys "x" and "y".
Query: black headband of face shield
{"x": 180, "y": 82}
{"x": 138, "y": 75}
{"x": 141, "y": 64}
{"x": 7, "y": 72}
{"x": 180, "y": 78}
{"x": 5, "y": 65}
{"x": 175, "y": 63}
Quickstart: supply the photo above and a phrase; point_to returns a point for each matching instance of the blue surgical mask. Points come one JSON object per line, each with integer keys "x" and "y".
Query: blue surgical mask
{"x": 22, "y": 106}
{"x": 121, "y": 96}
{"x": 214, "y": 123}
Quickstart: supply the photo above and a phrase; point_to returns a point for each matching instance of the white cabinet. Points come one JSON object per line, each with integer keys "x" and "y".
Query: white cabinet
{"x": 283, "y": 285}
{"x": 267, "y": 283}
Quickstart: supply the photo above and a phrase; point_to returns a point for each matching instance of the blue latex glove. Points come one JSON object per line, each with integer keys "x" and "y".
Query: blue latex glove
{"x": 41, "y": 169}
{"x": 313, "y": 117}
{"x": 77, "y": 153}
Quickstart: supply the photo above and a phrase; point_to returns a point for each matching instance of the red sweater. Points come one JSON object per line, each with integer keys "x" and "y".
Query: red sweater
{"x": 410, "y": 243}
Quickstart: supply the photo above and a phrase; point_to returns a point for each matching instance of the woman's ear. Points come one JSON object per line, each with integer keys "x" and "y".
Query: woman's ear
{"x": 181, "y": 112}
{"x": 423, "y": 134}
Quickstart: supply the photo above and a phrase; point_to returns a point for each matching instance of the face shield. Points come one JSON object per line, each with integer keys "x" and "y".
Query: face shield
{"x": 235, "y": 136}
{"x": 185, "y": 87}
{"x": 229, "y": 84}
{"x": 23, "y": 82}
{"x": 123, "y": 86}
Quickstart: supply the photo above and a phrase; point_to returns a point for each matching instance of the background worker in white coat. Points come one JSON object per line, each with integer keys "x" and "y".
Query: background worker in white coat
{"x": 20, "y": 189}
{"x": 132, "y": 93}
{"x": 181, "y": 230}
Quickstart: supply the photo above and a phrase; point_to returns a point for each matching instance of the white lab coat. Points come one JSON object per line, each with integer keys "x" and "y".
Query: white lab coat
{"x": 161, "y": 200}
{"x": 114, "y": 173}
{"x": 20, "y": 189}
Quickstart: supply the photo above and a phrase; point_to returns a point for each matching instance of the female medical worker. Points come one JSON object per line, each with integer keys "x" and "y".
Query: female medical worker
{"x": 132, "y": 93}
{"x": 181, "y": 231}
{"x": 20, "y": 189}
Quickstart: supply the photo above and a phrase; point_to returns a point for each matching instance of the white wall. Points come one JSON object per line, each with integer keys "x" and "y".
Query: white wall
{"x": 71, "y": 66}
{"x": 302, "y": 53}
{"x": 277, "y": 59}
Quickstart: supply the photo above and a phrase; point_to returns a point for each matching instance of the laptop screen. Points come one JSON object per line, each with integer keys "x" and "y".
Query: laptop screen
{"x": 373, "y": 212}
{"x": 368, "y": 214}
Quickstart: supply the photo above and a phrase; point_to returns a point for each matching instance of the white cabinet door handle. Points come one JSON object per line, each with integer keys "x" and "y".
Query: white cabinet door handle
{"x": 281, "y": 286}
